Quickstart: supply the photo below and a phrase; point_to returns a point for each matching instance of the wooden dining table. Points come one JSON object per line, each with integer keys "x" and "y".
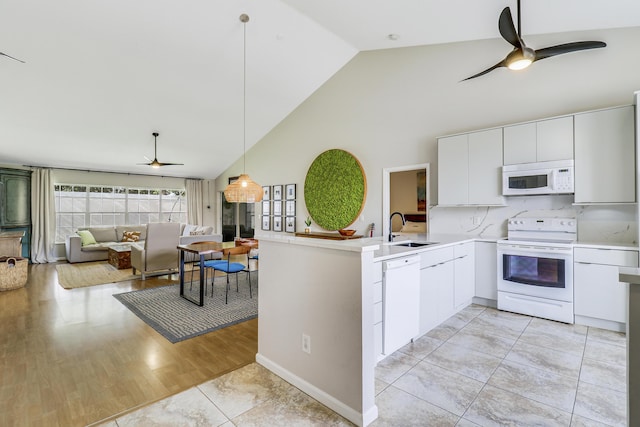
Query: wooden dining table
{"x": 201, "y": 249}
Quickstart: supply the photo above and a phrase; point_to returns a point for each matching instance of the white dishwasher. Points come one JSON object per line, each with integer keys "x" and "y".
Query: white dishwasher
{"x": 401, "y": 299}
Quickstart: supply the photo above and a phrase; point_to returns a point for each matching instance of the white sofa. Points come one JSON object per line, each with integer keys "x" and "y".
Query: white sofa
{"x": 108, "y": 236}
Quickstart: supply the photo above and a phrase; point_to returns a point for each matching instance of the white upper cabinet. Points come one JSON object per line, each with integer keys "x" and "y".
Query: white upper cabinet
{"x": 469, "y": 169}
{"x": 540, "y": 141}
{"x": 453, "y": 170}
{"x": 605, "y": 156}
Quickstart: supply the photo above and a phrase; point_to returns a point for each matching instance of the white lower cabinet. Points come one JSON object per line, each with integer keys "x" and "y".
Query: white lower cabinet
{"x": 436, "y": 287}
{"x": 486, "y": 274}
{"x": 447, "y": 284}
{"x": 464, "y": 274}
{"x": 599, "y": 298}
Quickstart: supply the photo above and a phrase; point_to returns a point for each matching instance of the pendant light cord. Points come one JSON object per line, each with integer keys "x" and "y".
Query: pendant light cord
{"x": 244, "y": 18}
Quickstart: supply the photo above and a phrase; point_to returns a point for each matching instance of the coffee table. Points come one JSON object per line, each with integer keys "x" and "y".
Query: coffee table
{"x": 120, "y": 256}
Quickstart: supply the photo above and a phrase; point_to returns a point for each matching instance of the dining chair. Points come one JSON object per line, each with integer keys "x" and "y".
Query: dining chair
{"x": 229, "y": 268}
{"x": 253, "y": 252}
{"x": 208, "y": 262}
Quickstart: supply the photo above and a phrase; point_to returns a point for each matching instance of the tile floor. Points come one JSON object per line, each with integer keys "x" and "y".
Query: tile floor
{"x": 481, "y": 367}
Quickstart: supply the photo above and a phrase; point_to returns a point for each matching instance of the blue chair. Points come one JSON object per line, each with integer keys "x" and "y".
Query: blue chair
{"x": 213, "y": 258}
{"x": 229, "y": 268}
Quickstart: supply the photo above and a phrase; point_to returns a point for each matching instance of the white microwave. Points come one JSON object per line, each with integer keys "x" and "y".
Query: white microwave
{"x": 555, "y": 177}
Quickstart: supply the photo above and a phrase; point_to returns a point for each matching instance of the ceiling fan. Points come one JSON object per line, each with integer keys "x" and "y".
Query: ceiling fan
{"x": 522, "y": 56}
{"x": 155, "y": 163}
{"x": 9, "y": 56}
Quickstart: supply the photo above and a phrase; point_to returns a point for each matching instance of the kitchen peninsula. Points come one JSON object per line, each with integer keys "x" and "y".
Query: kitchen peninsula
{"x": 316, "y": 312}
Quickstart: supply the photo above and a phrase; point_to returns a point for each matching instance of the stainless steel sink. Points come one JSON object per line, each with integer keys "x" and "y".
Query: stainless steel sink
{"x": 414, "y": 244}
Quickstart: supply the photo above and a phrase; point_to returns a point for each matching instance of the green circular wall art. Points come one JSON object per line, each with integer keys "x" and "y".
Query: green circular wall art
{"x": 335, "y": 189}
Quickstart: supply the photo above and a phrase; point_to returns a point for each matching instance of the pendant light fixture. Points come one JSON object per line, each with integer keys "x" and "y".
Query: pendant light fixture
{"x": 244, "y": 189}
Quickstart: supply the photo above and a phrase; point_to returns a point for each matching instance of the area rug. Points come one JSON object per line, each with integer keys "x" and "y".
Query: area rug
{"x": 85, "y": 274}
{"x": 177, "y": 319}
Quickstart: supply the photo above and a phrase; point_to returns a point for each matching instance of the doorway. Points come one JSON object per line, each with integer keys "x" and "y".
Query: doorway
{"x": 238, "y": 219}
{"x": 405, "y": 189}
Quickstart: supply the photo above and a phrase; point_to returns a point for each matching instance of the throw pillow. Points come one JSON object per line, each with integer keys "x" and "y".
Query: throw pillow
{"x": 130, "y": 236}
{"x": 187, "y": 229}
{"x": 196, "y": 233}
{"x": 86, "y": 237}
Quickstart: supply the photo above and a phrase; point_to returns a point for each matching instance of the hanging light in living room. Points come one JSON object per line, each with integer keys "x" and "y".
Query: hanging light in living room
{"x": 244, "y": 189}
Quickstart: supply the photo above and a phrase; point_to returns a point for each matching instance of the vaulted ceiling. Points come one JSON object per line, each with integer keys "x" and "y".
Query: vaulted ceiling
{"x": 100, "y": 76}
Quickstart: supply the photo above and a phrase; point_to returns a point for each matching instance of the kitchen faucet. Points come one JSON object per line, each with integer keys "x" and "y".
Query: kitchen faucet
{"x": 391, "y": 223}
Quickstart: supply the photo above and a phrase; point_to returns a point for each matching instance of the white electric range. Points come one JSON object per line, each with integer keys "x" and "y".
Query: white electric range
{"x": 535, "y": 267}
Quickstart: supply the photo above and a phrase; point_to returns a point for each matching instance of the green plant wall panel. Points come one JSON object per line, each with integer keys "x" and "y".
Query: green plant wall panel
{"x": 335, "y": 189}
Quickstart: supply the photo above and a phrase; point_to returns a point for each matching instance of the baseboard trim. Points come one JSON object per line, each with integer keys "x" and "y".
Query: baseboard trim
{"x": 359, "y": 419}
{"x": 600, "y": 323}
{"x": 484, "y": 301}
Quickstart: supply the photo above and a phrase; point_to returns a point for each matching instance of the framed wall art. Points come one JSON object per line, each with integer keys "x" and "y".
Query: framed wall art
{"x": 290, "y": 224}
{"x": 277, "y": 223}
{"x": 266, "y": 192}
{"x": 291, "y": 191}
{"x": 265, "y": 208}
{"x": 290, "y": 208}
{"x": 277, "y": 192}
{"x": 277, "y": 206}
{"x": 266, "y": 223}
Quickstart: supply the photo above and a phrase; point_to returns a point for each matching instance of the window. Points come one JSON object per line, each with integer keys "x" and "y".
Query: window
{"x": 89, "y": 205}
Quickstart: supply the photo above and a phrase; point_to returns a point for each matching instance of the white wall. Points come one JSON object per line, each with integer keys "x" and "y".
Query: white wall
{"x": 387, "y": 107}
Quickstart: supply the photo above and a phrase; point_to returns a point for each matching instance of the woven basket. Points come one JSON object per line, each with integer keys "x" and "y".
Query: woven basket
{"x": 13, "y": 273}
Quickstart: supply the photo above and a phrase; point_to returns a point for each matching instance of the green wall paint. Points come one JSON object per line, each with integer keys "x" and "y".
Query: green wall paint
{"x": 335, "y": 189}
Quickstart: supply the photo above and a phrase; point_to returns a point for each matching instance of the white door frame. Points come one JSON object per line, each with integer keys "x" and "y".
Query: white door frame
{"x": 386, "y": 190}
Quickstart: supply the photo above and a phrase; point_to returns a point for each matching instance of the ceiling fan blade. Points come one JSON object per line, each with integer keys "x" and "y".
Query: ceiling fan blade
{"x": 567, "y": 48}
{"x": 507, "y": 29}
{"x": 482, "y": 73}
{"x": 9, "y": 56}
{"x": 170, "y": 164}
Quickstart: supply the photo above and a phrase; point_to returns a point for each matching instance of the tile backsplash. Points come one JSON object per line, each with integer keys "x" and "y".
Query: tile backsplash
{"x": 596, "y": 223}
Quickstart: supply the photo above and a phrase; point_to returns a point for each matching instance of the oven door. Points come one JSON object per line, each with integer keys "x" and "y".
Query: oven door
{"x": 536, "y": 270}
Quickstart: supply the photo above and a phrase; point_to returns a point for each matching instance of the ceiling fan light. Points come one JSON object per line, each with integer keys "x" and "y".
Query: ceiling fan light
{"x": 519, "y": 64}
{"x": 520, "y": 59}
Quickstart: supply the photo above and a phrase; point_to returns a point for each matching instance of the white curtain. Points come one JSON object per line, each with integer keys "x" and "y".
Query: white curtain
{"x": 195, "y": 201}
{"x": 43, "y": 217}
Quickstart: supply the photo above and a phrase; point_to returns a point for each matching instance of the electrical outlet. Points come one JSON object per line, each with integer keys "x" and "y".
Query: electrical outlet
{"x": 306, "y": 343}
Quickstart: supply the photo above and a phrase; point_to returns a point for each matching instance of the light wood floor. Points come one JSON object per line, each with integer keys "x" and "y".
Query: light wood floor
{"x": 74, "y": 357}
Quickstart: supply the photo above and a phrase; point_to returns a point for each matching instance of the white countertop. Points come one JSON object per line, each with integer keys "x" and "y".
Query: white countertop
{"x": 629, "y": 275}
{"x": 383, "y": 249}
{"x": 353, "y": 245}
{"x": 606, "y": 245}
